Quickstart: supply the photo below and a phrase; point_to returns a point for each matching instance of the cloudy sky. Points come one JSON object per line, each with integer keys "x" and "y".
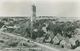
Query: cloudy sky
{"x": 67, "y": 8}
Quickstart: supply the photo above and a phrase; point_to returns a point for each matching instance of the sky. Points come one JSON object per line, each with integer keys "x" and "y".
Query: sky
{"x": 60, "y": 8}
{"x": 15, "y": 8}
{"x": 63, "y": 8}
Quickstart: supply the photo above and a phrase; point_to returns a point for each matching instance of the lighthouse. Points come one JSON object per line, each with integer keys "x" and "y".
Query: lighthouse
{"x": 33, "y": 13}
{"x": 33, "y": 17}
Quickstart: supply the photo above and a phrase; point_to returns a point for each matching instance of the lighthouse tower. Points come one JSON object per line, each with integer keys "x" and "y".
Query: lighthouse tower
{"x": 33, "y": 17}
{"x": 33, "y": 13}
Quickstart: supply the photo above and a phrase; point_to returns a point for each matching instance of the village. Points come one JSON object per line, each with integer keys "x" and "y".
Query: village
{"x": 50, "y": 32}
